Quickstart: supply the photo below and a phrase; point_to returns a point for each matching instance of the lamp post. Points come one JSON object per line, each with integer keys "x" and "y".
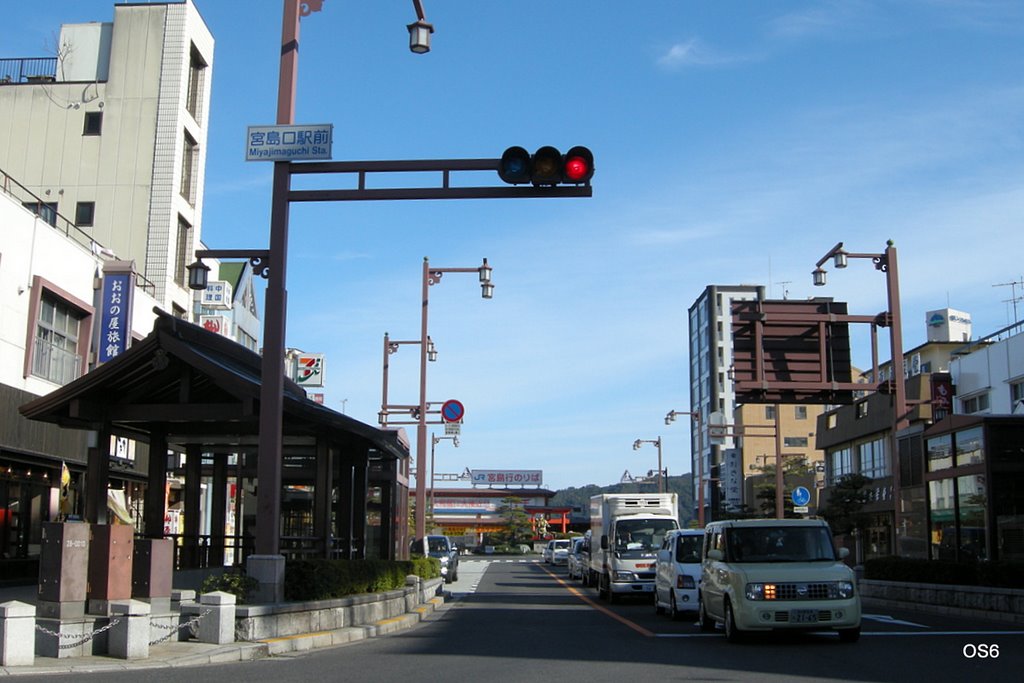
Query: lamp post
{"x": 657, "y": 442}
{"x": 670, "y": 417}
{"x": 432, "y": 276}
{"x": 434, "y": 439}
{"x": 391, "y": 346}
{"x": 885, "y": 262}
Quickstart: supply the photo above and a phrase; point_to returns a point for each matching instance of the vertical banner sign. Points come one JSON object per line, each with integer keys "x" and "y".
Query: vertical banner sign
{"x": 115, "y": 328}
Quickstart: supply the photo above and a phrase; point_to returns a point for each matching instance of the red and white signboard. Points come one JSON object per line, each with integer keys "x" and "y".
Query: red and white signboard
{"x": 217, "y": 324}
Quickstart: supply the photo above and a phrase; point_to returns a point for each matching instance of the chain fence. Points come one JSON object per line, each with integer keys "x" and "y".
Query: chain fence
{"x": 79, "y": 639}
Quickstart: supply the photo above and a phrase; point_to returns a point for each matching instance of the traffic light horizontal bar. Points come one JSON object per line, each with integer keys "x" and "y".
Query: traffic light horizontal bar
{"x": 443, "y": 190}
{"x": 393, "y": 166}
{"x": 440, "y": 193}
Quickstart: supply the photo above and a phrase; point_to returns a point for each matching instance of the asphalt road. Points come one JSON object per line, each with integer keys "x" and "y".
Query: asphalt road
{"x": 525, "y": 621}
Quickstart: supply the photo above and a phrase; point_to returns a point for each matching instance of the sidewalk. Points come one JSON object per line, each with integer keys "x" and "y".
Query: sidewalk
{"x": 173, "y": 653}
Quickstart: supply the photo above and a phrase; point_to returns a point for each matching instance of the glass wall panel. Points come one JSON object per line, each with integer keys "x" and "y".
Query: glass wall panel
{"x": 969, "y": 447}
{"x": 973, "y": 532}
{"x": 940, "y": 453}
{"x": 942, "y": 519}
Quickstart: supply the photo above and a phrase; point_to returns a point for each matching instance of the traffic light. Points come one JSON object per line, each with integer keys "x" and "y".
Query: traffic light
{"x": 547, "y": 166}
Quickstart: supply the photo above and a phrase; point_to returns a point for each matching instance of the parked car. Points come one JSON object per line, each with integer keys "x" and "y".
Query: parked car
{"x": 776, "y": 574}
{"x": 444, "y": 550}
{"x": 677, "y": 573}
{"x": 556, "y": 551}
{"x": 579, "y": 559}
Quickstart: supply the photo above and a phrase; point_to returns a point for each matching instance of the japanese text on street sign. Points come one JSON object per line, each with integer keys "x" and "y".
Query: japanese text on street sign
{"x": 289, "y": 143}
{"x": 534, "y": 477}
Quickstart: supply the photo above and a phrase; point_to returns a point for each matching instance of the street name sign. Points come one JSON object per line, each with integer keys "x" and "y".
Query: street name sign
{"x": 309, "y": 142}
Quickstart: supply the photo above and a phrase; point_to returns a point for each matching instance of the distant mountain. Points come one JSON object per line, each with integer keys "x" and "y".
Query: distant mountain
{"x": 580, "y": 497}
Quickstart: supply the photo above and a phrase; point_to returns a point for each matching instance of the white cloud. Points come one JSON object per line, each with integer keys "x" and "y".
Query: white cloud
{"x": 694, "y": 52}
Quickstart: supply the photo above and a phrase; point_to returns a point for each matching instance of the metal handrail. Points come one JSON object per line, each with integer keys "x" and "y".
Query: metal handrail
{"x": 28, "y": 70}
{"x": 25, "y": 196}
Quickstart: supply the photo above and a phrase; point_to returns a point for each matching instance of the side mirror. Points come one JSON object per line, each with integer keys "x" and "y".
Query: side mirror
{"x": 604, "y": 541}
{"x": 844, "y": 553}
{"x": 715, "y": 554}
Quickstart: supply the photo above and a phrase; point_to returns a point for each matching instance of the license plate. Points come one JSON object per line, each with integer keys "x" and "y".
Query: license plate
{"x": 803, "y": 616}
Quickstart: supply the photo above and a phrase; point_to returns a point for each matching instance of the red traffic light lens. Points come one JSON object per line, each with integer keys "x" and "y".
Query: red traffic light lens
{"x": 578, "y": 166}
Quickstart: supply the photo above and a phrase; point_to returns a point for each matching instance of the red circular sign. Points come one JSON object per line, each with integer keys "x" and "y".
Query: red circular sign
{"x": 452, "y": 411}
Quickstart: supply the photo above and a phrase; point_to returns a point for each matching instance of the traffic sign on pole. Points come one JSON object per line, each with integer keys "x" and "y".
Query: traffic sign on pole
{"x": 452, "y": 411}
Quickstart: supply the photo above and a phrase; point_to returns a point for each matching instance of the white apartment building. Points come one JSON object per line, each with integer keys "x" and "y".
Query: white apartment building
{"x": 111, "y": 132}
{"x": 989, "y": 374}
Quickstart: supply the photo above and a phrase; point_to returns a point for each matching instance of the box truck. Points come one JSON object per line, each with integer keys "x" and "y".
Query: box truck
{"x": 627, "y": 529}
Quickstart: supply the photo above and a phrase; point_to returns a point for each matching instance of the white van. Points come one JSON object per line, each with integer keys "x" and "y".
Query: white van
{"x": 677, "y": 573}
{"x": 767, "y": 574}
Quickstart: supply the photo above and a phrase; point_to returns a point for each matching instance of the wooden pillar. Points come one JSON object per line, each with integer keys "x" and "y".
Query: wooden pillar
{"x": 387, "y": 511}
{"x": 218, "y": 509}
{"x": 360, "y": 484}
{"x": 322, "y": 489}
{"x": 193, "y": 490}
{"x": 156, "y": 486}
{"x": 97, "y": 475}
{"x": 343, "y": 509}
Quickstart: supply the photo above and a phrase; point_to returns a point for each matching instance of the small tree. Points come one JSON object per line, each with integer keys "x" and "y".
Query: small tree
{"x": 517, "y": 522}
{"x": 845, "y": 503}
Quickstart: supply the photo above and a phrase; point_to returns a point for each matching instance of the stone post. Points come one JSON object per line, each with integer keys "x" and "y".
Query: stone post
{"x": 217, "y": 627}
{"x": 129, "y": 638}
{"x": 17, "y": 634}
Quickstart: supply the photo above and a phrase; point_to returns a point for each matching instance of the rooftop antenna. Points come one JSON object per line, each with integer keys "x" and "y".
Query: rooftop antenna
{"x": 785, "y": 290}
{"x": 1013, "y": 294}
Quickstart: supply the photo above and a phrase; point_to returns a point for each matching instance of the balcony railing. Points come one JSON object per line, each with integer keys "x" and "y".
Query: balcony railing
{"x": 28, "y": 70}
{"x": 55, "y": 363}
{"x": 31, "y": 201}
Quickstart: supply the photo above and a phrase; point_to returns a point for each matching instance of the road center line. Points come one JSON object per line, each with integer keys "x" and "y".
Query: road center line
{"x": 599, "y": 607}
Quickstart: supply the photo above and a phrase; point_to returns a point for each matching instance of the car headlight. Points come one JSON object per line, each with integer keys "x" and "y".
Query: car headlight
{"x": 624, "y": 576}
{"x": 844, "y": 589}
{"x": 760, "y": 591}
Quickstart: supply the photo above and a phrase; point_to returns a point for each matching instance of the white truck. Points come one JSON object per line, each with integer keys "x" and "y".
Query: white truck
{"x": 627, "y": 529}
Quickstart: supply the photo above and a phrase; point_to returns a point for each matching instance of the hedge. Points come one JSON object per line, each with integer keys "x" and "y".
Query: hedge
{"x": 323, "y": 579}
{"x": 1000, "y": 574}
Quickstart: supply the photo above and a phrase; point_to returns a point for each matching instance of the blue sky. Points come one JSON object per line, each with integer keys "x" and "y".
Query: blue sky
{"x": 734, "y": 142}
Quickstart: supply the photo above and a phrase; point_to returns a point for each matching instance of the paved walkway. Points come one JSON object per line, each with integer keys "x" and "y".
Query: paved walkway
{"x": 191, "y": 653}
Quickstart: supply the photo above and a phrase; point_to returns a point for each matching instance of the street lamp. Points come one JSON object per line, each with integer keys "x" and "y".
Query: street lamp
{"x": 431, "y": 277}
{"x": 657, "y": 442}
{"x": 670, "y": 417}
{"x": 885, "y": 262}
{"x": 391, "y": 346}
{"x": 433, "y": 443}
{"x": 419, "y": 31}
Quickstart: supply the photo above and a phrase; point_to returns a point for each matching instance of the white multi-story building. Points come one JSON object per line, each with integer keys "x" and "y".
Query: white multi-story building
{"x": 111, "y": 132}
{"x": 102, "y": 154}
{"x": 989, "y": 374}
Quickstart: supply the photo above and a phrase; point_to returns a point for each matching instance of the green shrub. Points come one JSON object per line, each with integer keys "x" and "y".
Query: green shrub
{"x": 238, "y": 584}
{"x": 323, "y": 579}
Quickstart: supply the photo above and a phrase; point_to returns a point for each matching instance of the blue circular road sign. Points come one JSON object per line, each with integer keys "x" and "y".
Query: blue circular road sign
{"x": 801, "y": 496}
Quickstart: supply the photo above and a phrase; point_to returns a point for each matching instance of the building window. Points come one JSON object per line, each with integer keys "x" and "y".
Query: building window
{"x": 45, "y": 210}
{"x": 183, "y": 253}
{"x": 800, "y": 412}
{"x": 969, "y": 447}
{"x": 940, "y": 453}
{"x": 976, "y": 404}
{"x": 196, "y": 79}
{"x": 179, "y": 312}
{"x": 831, "y": 420}
{"x": 84, "y": 214}
{"x": 93, "y": 124}
{"x": 769, "y": 412}
{"x": 189, "y": 168}
{"x": 1016, "y": 394}
{"x": 840, "y": 463}
{"x": 873, "y": 459}
{"x": 55, "y": 354}
{"x": 795, "y": 441}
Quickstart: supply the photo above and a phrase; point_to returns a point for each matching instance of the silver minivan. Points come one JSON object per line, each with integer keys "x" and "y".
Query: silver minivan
{"x": 677, "y": 573}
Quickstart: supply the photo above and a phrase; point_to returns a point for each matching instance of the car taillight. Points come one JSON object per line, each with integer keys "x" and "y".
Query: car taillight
{"x": 684, "y": 581}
